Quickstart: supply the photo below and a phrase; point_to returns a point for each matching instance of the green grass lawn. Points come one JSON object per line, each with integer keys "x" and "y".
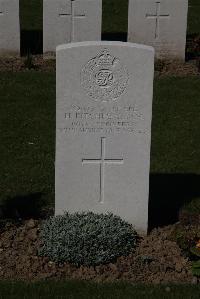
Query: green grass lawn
{"x": 86, "y": 290}
{"x": 115, "y": 15}
{"x": 27, "y": 133}
{"x": 194, "y": 17}
{"x": 31, "y": 14}
{"x": 176, "y": 123}
{"x": 27, "y": 130}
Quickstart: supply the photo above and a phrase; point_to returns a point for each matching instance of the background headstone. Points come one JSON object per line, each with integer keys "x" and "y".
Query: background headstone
{"x": 103, "y": 129}
{"x": 9, "y": 27}
{"x": 161, "y": 24}
{"x": 66, "y": 21}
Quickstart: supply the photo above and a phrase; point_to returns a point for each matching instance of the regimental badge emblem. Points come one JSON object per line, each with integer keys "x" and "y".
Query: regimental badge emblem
{"x": 104, "y": 78}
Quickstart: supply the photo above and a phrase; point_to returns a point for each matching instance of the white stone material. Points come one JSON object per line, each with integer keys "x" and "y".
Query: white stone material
{"x": 161, "y": 24}
{"x": 66, "y": 21}
{"x": 9, "y": 27}
{"x": 103, "y": 129}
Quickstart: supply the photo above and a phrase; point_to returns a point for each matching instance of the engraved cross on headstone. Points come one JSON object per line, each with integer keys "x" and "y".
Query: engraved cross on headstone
{"x": 103, "y": 162}
{"x": 1, "y": 8}
{"x": 157, "y": 17}
{"x": 73, "y": 17}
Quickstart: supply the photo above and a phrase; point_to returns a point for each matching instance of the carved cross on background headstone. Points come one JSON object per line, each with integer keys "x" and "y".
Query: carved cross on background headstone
{"x": 1, "y": 12}
{"x": 103, "y": 162}
{"x": 73, "y": 17}
{"x": 1, "y": 8}
{"x": 157, "y": 17}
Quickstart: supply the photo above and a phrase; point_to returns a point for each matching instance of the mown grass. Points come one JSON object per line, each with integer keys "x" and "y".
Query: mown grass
{"x": 175, "y": 128}
{"x": 27, "y": 134}
{"x": 31, "y": 14}
{"x": 27, "y": 130}
{"x": 86, "y": 290}
{"x": 194, "y": 17}
{"x": 115, "y": 15}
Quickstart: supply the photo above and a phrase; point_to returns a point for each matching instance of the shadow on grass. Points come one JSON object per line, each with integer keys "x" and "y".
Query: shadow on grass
{"x": 122, "y": 36}
{"x": 25, "y": 207}
{"x": 167, "y": 194}
{"x": 193, "y": 47}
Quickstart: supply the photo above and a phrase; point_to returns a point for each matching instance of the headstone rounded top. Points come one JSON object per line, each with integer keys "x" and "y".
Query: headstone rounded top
{"x": 103, "y": 44}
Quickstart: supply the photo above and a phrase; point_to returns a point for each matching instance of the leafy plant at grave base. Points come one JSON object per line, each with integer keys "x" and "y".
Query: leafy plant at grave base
{"x": 186, "y": 237}
{"x": 28, "y": 62}
{"x": 190, "y": 213}
{"x": 196, "y": 249}
{"x": 160, "y": 64}
{"x": 196, "y": 264}
{"x": 86, "y": 238}
{"x": 196, "y": 268}
{"x": 193, "y": 46}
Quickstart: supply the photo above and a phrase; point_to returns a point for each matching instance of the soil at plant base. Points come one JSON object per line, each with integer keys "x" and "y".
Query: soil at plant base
{"x": 157, "y": 259}
{"x": 46, "y": 63}
{"x": 23, "y": 64}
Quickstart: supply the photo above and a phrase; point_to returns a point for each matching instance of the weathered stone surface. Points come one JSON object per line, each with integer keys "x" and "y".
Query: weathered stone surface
{"x": 9, "y": 27}
{"x": 103, "y": 129}
{"x": 66, "y": 21}
{"x": 161, "y": 24}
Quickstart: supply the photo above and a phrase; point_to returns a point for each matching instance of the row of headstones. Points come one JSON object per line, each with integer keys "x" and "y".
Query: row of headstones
{"x": 159, "y": 23}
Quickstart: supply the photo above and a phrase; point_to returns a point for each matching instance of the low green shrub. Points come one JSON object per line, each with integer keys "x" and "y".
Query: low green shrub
{"x": 86, "y": 238}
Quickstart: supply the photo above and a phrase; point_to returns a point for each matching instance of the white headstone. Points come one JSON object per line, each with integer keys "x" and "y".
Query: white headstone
{"x": 9, "y": 27}
{"x": 66, "y": 21}
{"x": 161, "y": 24}
{"x": 103, "y": 129}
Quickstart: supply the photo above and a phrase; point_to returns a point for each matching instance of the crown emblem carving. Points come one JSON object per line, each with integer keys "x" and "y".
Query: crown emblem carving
{"x": 104, "y": 77}
{"x": 105, "y": 59}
